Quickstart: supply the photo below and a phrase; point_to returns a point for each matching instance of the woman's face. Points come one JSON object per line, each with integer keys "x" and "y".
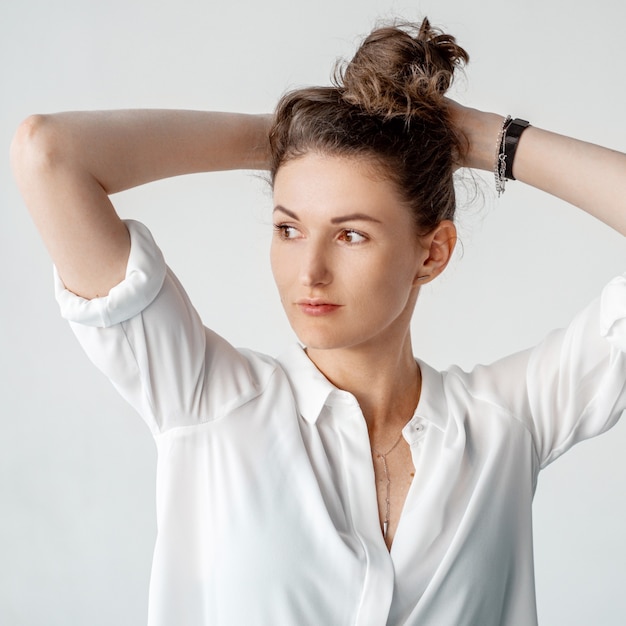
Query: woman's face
{"x": 345, "y": 254}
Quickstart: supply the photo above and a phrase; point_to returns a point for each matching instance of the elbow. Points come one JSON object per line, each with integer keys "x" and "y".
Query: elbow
{"x": 36, "y": 146}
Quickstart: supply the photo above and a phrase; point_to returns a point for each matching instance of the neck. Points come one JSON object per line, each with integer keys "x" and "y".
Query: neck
{"x": 385, "y": 380}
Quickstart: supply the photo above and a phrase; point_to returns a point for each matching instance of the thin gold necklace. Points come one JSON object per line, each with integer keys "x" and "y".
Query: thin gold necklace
{"x": 383, "y": 456}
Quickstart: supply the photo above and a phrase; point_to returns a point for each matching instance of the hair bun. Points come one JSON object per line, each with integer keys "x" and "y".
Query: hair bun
{"x": 401, "y": 70}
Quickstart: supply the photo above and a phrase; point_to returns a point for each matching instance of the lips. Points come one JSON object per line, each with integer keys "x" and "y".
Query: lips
{"x": 316, "y": 307}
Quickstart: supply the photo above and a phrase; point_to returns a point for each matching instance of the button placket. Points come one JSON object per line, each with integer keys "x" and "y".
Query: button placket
{"x": 379, "y": 574}
{"x": 414, "y": 432}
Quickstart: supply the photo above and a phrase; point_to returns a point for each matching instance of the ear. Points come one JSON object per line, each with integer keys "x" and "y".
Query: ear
{"x": 438, "y": 247}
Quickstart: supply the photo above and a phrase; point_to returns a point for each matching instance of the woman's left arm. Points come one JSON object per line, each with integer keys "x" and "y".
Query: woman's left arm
{"x": 588, "y": 176}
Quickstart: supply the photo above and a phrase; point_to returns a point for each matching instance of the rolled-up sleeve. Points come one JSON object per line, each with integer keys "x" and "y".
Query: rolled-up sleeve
{"x": 613, "y": 313}
{"x": 576, "y": 378}
{"x": 144, "y": 277}
{"x": 149, "y": 340}
{"x": 572, "y": 385}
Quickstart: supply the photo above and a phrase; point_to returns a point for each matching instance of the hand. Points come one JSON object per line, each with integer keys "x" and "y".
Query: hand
{"x": 481, "y": 129}
{"x": 587, "y": 176}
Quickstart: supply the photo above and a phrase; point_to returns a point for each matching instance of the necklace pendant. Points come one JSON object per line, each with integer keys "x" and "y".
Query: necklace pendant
{"x": 385, "y": 527}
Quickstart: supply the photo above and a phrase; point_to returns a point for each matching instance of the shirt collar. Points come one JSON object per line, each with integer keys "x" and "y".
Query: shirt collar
{"x": 432, "y": 405}
{"x": 312, "y": 389}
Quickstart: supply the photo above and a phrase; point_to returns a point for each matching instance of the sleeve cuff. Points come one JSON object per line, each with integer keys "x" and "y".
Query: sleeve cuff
{"x": 613, "y": 312}
{"x": 144, "y": 278}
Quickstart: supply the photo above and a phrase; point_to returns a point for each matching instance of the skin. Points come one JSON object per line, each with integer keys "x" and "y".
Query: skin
{"x": 344, "y": 236}
{"x": 349, "y": 265}
{"x": 67, "y": 165}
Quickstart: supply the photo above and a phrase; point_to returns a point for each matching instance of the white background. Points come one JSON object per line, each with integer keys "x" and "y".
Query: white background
{"x": 77, "y": 465}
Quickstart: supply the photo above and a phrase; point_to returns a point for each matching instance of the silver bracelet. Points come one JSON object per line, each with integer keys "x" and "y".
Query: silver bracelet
{"x": 499, "y": 168}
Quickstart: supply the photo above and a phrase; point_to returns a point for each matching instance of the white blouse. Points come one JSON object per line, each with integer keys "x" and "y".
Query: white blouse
{"x": 266, "y": 503}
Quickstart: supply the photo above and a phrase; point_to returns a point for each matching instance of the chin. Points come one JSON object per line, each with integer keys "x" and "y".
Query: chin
{"x": 324, "y": 334}
{"x": 319, "y": 339}
{"x": 319, "y": 343}
{"x": 328, "y": 339}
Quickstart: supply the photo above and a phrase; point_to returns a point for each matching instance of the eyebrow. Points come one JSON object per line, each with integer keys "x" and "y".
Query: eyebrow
{"x": 334, "y": 220}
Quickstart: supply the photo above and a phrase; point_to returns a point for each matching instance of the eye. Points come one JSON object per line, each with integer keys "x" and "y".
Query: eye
{"x": 352, "y": 236}
{"x": 285, "y": 231}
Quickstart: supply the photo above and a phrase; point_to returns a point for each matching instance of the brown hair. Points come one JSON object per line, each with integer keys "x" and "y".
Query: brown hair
{"x": 387, "y": 105}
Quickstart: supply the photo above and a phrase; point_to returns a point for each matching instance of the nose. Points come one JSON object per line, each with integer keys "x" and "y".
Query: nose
{"x": 315, "y": 266}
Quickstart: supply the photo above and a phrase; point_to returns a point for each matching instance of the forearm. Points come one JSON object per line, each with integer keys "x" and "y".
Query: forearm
{"x": 67, "y": 164}
{"x": 123, "y": 149}
{"x": 587, "y": 176}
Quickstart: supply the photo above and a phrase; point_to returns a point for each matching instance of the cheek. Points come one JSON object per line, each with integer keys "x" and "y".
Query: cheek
{"x": 381, "y": 290}
{"x": 391, "y": 275}
{"x": 385, "y": 297}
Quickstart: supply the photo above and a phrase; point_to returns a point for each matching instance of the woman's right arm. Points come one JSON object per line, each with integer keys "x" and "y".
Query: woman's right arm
{"x": 68, "y": 164}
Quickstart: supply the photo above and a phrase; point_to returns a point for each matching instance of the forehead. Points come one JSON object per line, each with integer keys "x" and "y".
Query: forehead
{"x": 326, "y": 183}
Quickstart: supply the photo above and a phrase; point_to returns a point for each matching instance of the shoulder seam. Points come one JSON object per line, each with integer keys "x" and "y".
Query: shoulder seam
{"x": 504, "y": 409}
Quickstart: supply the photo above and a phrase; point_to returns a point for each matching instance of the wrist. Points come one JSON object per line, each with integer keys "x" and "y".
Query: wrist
{"x": 482, "y": 131}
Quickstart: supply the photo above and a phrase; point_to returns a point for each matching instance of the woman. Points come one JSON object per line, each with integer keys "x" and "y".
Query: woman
{"x": 345, "y": 482}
